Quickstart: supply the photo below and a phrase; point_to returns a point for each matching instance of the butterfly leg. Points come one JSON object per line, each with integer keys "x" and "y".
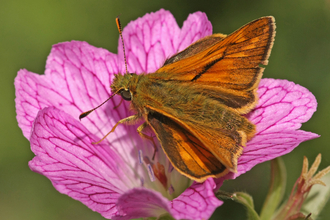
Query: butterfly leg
{"x": 139, "y": 130}
{"x": 129, "y": 120}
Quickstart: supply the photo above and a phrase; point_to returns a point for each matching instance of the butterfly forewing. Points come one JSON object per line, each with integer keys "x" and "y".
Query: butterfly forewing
{"x": 228, "y": 70}
{"x": 196, "y": 47}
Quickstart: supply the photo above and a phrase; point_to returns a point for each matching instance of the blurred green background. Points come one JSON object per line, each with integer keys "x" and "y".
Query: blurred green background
{"x": 28, "y": 29}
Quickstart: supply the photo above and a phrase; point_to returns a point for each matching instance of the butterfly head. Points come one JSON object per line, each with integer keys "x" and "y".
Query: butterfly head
{"x": 124, "y": 85}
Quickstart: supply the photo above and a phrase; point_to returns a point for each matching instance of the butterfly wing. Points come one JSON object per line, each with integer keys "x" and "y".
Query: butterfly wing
{"x": 186, "y": 152}
{"x": 195, "y": 101}
{"x": 203, "y": 146}
{"x": 196, "y": 47}
{"x": 228, "y": 70}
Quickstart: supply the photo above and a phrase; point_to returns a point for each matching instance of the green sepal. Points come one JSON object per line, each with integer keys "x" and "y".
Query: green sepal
{"x": 222, "y": 195}
{"x": 276, "y": 189}
{"x": 246, "y": 200}
{"x": 243, "y": 198}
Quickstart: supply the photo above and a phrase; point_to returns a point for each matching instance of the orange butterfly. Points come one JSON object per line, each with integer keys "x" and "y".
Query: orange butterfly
{"x": 194, "y": 103}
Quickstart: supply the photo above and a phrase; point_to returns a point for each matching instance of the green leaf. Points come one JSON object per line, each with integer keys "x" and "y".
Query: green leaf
{"x": 276, "y": 189}
{"x": 317, "y": 197}
{"x": 246, "y": 200}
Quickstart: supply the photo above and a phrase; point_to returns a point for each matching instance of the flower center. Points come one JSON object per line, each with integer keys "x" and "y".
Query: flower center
{"x": 163, "y": 176}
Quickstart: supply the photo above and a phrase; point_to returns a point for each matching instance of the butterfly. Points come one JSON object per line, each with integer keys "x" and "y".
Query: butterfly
{"x": 196, "y": 101}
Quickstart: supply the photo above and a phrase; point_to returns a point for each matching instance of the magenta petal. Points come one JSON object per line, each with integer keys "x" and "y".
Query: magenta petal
{"x": 150, "y": 40}
{"x": 196, "y": 202}
{"x": 92, "y": 174}
{"x": 194, "y": 28}
{"x": 77, "y": 79}
{"x": 141, "y": 202}
{"x": 281, "y": 109}
{"x": 27, "y": 102}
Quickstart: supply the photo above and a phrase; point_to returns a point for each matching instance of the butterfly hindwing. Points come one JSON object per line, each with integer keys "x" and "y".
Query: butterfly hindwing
{"x": 186, "y": 152}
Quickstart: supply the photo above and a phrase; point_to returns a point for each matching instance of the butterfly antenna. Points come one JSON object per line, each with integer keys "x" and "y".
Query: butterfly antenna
{"x": 84, "y": 114}
{"x": 122, "y": 40}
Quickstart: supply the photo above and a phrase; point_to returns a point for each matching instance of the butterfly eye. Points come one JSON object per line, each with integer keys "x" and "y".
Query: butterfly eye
{"x": 126, "y": 94}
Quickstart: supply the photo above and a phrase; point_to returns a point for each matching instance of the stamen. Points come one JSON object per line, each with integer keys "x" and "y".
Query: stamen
{"x": 140, "y": 156}
{"x": 151, "y": 173}
{"x": 156, "y": 171}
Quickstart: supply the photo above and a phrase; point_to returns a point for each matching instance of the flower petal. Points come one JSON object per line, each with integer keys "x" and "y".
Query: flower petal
{"x": 150, "y": 40}
{"x": 82, "y": 74}
{"x": 281, "y": 109}
{"x": 145, "y": 40}
{"x": 77, "y": 79}
{"x": 27, "y": 102}
{"x": 194, "y": 28}
{"x": 92, "y": 174}
{"x": 141, "y": 202}
{"x": 197, "y": 202}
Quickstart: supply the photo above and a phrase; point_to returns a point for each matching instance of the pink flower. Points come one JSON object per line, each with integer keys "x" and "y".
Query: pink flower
{"x": 114, "y": 177}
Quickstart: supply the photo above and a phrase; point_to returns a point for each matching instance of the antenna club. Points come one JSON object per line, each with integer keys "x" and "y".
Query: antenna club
{"x": 118, "y": 24}
{"x": 122, "y": 40}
